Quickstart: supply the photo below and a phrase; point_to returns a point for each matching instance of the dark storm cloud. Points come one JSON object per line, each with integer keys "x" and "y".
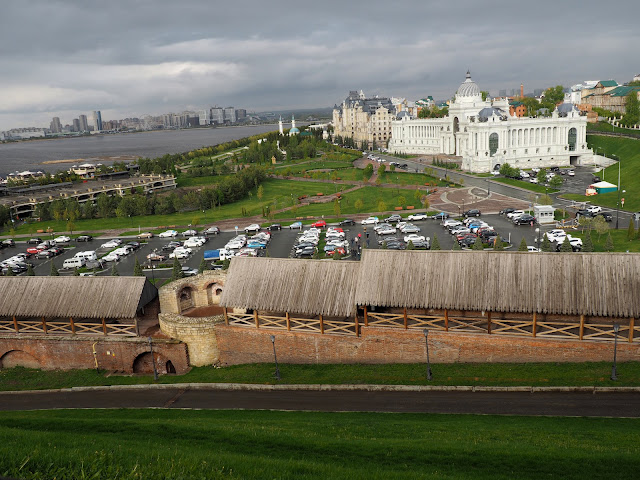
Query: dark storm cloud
{"x": 133, "y": 57}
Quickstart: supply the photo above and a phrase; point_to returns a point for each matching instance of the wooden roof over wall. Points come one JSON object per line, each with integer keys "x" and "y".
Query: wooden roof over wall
{"x": 309, "y": 287}
{"x": 81, "y": 297}
{"x": 598, "y": 284}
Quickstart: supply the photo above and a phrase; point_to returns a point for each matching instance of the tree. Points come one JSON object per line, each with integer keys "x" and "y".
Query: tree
{"x": 542, "y": 176}
{"x": 177, "y": 270}
{"x": 137, "y": 269}
{"x": 260, "y": 192}
{"x": 588, "y": 243}
{"x": 477, "y": 245}
{"x": 367, "y": 173}
{"x": 402, "y": 201}
{"x": 203, "y": 264}
{"x": 418, "y": 195}
{"x": 523, "y": 245}
{"x": 426, "y": 203}
{"x": 54, "y": 271}
{"x": 631, "y": 231}
{"x": 608, "y": 245}
{"x": 484, "y": 95}
{"x": 556, "y": 181}
{"x": 435, "y": 245}
{"x": 358, "y": 204}
{"x": 554, "y": 95}
{"x": 381, "y": 170}
{"x": 378, "y": 181}
{"x": 545, "y": 246}
{"x": 410, "y": 246}
{"x": 566, "y": 245}
{"x": 114, "y": 271}
{"x": 30, "y": 272}
{"x": 456, "y": 245}
{"x": 392, "y": 168}
{"x": 545, "y": 200}
{"x": 600, "y": 226}
{"x": 507, "y": 170}
{"x": 382, "y": 207}
{"x": 498, "y": 246}
{"x": 10, "y": 272}
{"x": 632, "y": 109}
{"x": 336, "y": 207}
{"x": 76, "y": 272}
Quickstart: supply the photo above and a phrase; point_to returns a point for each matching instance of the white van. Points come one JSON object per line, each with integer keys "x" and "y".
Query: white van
{"x": 88, "y": 256}
{"x": 75, "y": 262}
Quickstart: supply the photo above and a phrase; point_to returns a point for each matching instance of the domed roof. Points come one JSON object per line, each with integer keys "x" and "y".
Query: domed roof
{"x": 468, "y": 88}
{"x": 294, "y": 130}
{"x": 566, "y": 107}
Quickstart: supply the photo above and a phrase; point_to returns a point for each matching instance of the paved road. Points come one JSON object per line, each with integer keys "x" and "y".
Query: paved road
{"x": 491, "y": 403}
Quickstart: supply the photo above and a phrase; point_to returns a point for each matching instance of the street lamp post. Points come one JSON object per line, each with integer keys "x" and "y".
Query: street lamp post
{"x": 488, "y": 188}
{"x": 153, "y": 361}
{"x": 426, "y": 341}
{"x": 614, "y": 373}
{"x": 618, "y": 203}
{"x": 538, "y": 235}
{"x": 275, "y": 358}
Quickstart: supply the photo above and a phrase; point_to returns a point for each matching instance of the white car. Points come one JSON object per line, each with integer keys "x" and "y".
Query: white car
{"x": 168, "y": 234}
{"x": 254, "y": 227}
{"x": 111, "y": 243}
{"x": 178, "y": 254}
{"x": 532, "y": 249}
{"x": 111, "y": 257}
{"x": 594, "y": 209}
{"x": 370, "y": 221}
{"x": 387, "y": 230}
{"x": 571, "y": 173}
{"x": 418, "y": 216}
{"x": 450, "y": 222}
{"x": 121, "y": 252}
{"x": 533, "y": 179}
{"x": 515, "y": 214}
{"x": 414, "y": 238}
{"x": 189, "y": 233}
{"x": 193, "y": 242}
{"x": 62, "y": 239}
{"x": 409, "y": 228}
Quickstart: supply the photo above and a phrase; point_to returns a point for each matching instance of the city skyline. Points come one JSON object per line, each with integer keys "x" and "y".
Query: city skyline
{"x": 162, "y": 57}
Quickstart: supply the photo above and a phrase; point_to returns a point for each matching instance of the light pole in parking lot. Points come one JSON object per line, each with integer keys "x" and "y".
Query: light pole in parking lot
{"x": 618, "y": 203}
{"x": 426, "y": 341}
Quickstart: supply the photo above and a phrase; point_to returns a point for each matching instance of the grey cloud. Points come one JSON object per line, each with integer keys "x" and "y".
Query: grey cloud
{"x": 145, "y": 56}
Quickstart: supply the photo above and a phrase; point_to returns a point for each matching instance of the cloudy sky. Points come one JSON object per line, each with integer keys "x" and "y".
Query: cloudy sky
{"x": 135, "y": 57}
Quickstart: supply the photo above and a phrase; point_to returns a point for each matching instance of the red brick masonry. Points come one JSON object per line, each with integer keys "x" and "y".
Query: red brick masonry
{"x": 239, "y": 345}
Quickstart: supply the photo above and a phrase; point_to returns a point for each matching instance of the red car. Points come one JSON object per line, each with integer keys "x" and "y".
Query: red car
{"x": 319, "y": 224}
{"x": 34, "y": 250}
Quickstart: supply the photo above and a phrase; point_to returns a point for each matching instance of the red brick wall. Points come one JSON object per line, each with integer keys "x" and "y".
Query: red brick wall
{"x": 376, "y": 345}
{"x": 66, "y": 353}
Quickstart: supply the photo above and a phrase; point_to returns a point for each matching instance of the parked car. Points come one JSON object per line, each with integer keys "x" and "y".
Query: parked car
{"x": 370, "y": 221}
{"x": 409, "y": 228}
{"x": 393, "y": 218}
{"x": 583, "y": 212}
{"x": 275, "y": 226}
{"x": 190, "y": 233}
{"x": 474, "y": 212}
{"x": 607, "y": 216}
{"x": 213, "y": 230}
{"x": 346, "y": 222}
{"x": 34, "y": 241}
{"x": 45, "y": 254}
{"x": 84, "y": 238}
{"x": 594, "y": 209}
{"x": 414, "y": 238}
{"x": 254, "y": 227}
{"x": 62, "y": 239}
{"x": 386, "y": 230}
{"x": 571, "y": 173}
{"x": 506, "y": 211}
{"x": 440, "y": 216}
{"x": 417, "y": 216}
{"x": 145, "y": 235}
{"x": 168, "y": 234}
{"x": 156, "y": 257}
{"x": 189, "y": 272}
{"x": 133, "y": 245}
{"x": 525, "y": 220}
{"x": 8, "y": 243}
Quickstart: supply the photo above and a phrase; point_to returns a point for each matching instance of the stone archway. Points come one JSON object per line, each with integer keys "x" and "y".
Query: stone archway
{"x": 186, "y": 298}
{"x": 144, "y": 364}
{"x": 214, "y": 290}
{"x": 18, "y": 358}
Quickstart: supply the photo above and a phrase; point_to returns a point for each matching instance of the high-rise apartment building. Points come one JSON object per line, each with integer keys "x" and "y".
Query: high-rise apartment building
{"x": 84, "y": 124}
{"x": 76, "y": 125}
{"x": 56, "y": 126}
{"x": 241, "y": 114}
{"x": 230, "y": 114}
{"x": 205, "y": 117}
{"x": 97, "y": 121}
{"x": 217, "y": 115}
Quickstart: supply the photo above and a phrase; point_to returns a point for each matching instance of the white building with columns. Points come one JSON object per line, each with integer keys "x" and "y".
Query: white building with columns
{"x": 484, "y": 134}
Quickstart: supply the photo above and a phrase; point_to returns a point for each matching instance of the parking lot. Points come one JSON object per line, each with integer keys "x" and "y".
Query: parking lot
{"x": 280, "y": 246}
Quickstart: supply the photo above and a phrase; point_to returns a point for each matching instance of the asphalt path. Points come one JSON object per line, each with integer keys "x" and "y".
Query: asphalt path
{"x": 484, "y": 403}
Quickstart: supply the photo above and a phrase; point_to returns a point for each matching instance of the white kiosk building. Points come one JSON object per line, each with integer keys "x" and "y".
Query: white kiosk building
{"x": 485, "y": 135}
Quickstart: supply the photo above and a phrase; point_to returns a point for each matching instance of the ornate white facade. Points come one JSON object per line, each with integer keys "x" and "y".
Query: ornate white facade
{"x": 484, "y": 134}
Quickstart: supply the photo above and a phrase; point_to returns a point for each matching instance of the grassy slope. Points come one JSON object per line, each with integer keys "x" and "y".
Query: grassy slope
{"x": 526, "y": 185}
{"x": 628, "y": 151}
{"x": 160, "y": 444}
{"x": 529, "y": 374}
{"x": 276, "y": 190}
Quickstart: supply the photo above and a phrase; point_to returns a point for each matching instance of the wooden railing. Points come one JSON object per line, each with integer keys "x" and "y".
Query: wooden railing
{"x": 480, "y": 324}
{"x": 68, "y": 327}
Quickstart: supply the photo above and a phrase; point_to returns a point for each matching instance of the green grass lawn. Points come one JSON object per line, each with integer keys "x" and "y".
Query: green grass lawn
{"x": 277, "y": 193}
{"x": 628, "y": 151}
{"x": 621, "y": 243}
{"x": 370, "y": 197}
{"x": 168, "y": 444}
{"x": 405, "y": 178}
{"x": 608, "y": 128}
{"x": 526, "y": 185}
{"x": 487, "y": 374}
{"x": 209, "y": 180}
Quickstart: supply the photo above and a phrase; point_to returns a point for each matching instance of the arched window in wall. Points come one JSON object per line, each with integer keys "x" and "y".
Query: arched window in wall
{"x": 573, "y": 135}
{"x": 493, "y": 144}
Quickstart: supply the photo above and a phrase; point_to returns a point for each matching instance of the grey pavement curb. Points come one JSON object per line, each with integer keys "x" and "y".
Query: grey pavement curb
{"x": 323, "y": 388}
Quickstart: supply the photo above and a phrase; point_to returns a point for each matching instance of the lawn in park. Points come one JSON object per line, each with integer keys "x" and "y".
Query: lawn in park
{"x": 180, "y": 444}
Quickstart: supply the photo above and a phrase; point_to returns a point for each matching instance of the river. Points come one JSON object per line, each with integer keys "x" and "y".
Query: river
{"x": 30, "y": 155}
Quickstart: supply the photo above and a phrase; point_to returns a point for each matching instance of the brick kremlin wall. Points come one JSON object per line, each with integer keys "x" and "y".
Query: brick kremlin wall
{"x": 237, "y": 345}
